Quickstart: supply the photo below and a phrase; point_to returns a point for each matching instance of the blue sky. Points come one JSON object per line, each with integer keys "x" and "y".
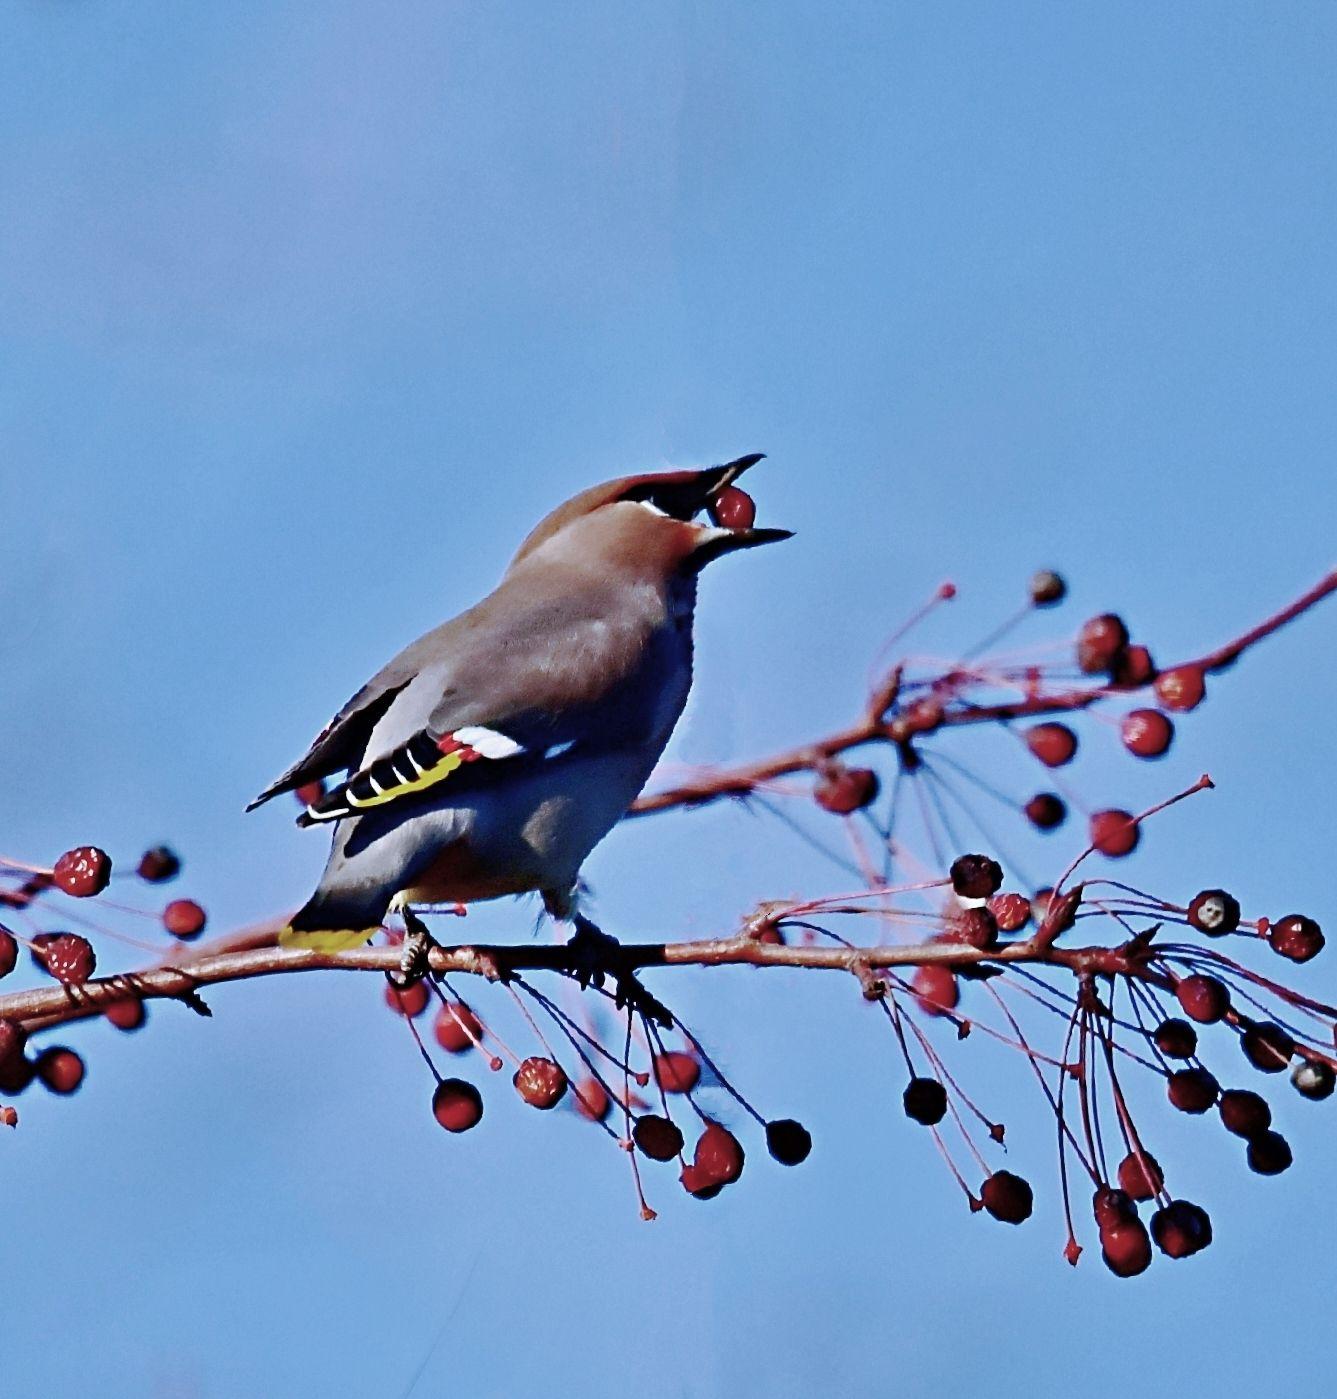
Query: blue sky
{"x": 307, "y": 312}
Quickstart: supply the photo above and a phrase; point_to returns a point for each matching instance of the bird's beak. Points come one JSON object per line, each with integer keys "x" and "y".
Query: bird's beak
{"x": 718, "y": 539}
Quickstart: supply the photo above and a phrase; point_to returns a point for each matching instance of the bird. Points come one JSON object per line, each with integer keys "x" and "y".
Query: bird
{"x": 491, "y": 755}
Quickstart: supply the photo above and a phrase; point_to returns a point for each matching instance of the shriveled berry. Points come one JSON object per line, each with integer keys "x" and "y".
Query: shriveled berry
{"x": 925, "y": 1101}
{"x": 454, "y": 1025}
{"x": 1203, "y": 998}
{"x": 1011, "y": 911}
{"x": 1111, "y": 1207}
{"x": 733, "y": 508}
{"x": 719, "y": 1154}
{"x": 976, "y": 876}
{"x": 61, "y": 1069}
{"x": 69, "y": 958}
{"x": 1046, "y": 811}
{"x": 1099, "y": 642}
{"x": 1176, "y": 1038}
{"x": 184, "y": 919}
{"x": 1146, "y": 733}
{"x": 158, "y": 865}
{"x": 1214, "y": 912}
{"x": 83, "y": 871}
{"x": 936, "y": 989}
{"x": 1114, "y": 832}
{"x": 1126, "y": 1248}
{"x": 1132, "y": 668}
{"x": 1296, "y": 937}
{"x": 788, "y": 1141}
{"x": 409, "y": 1001}
{"x": 592, "y": 1100}
{"x": 1269, "y": 1154}
{"x": 676, "y": 1071}
{"x": 128, "y": 1014}
{"x": 1053, "y": 744}
{"x": 13, "y": 1038}
{"x": 697, "y": 1182}
{"x": 1192, "y": 1090}
{"x": 1267, "y": 1047}
{"x": 1182, "y": 688}
{"x": 975, "y": 927}
{"x": 541, "y": 1082}
{"x": 1047, "y": 588}
{"x": 1314, "y": 1079}
{"x": 1141, "y": 1177}
{"x": 658, "y": 1137}
{"x": 9, "y": 952}
{"x": 457, "y": 1105}
{"x": 1181, "y": 1229}
{"x": 1007, "y": 1197}
{"x": 844, "y": 790}
{"x": 1244, "y": 1113}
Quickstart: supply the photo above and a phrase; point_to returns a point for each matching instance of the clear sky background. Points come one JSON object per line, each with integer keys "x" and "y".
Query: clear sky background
{"x": 307, "y": 311}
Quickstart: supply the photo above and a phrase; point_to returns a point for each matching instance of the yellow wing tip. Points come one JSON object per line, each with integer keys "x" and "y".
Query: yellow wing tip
{"x": 326, "y": 939}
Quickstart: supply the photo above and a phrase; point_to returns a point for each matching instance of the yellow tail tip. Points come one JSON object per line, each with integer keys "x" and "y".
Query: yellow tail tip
{"x": 326, "y": 939}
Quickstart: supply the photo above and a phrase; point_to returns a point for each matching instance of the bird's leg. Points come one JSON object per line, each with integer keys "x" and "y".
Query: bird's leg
{"x": 595, "y": 955}
{"x": 413, "y": 951}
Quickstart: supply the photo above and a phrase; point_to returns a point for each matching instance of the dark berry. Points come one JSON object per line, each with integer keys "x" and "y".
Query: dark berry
{"x": 1313, "y": 1078}
{"x": 184, "y": 919}
{"x": 16, "y": 1074}
{"x": 1046, "y": 811}
{"x": 158, "y": 865}
{"x": 973, "y": 926}
{"x": 1181, "y": 1229}
{"x": 976, "y": 876}
{"x": 62, "y": 1070}
{"x": 1007, "y": 1197}
{"x": 1267, "y": 1047}
{"x": 1099, "y": 643}
{"x": 925, "y": 1101}
{"x": 1269, "y": 1154}
{"x": 1203, "y": 998}
{"x": 457, "y": 1105}
{"x": 83, "y": 872}
{"x": 542, "y": 1083}
{"x": 788, "y": 1141}
{"x": 1180, "y": 689}
{"x": 1132, "y": 668}
{"x": 1244, "y": 1113}
{"x": 1011, "y": 911}
{"x": 1141, "y": 1177}
{"x": 408, "y": 1001}
{"x": 1146, "y": 733}
{"x": 1296, "y": 937}
{"x": 1192, "y": 1090}
{"x": 1047, "y": 588}
{"x": 13, "y": 1038}
{"x": 456, "y": 1027}
{"x": 844, "y": 790}
{"x": 1053, "y": 744}
{"x": 733, "y": 508}
{"x": 1114, "y": 832}
{"x": 936, "y": 989}
{"x": 1176, "y": 1039}
{"x": 9, "y": 951}
{"x": 1126, "y": 1248}
{"x": 69, "y": 958}
{"x": 658, "y": 1137}
{"x": 1215, "y": 912}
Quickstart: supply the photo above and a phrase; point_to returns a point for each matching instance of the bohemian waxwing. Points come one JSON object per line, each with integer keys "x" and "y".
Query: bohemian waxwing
{"x": 494, "y": 753}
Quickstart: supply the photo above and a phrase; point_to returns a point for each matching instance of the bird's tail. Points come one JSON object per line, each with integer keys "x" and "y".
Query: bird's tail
{"x": 336, "y": 920}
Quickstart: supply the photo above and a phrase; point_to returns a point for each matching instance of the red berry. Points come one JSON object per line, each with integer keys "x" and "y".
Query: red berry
{"x": 1047, "y": 588}
{"x": 8, "y": 1117}
{"x": 68, "y": 957}
{"x": 1133, "y": 667}
{"x": 62, "y": 1070}
{"x": 9, "y": 951}
{"x": 457, "y": 1105}
{"x": 455, "y": 1022}
{"x": 1176, "y": 1039}
{"x": 973, "y": 926}
{"x": 843, "y": 790}
{"x": 309, "y": 793}
{"x": 1011, "y": 911}
{"x": 13, "y": 1038}
{"x": 1053, "y": 744}
{"x": 935, "y": 989}
{"x": 676, "y": 1071}
{"x": 697, "y": 1182}
{"x": 976, "y": 876}
{"x": 541, "y": 1082}
{"x": 1214, "y": 912}
{"x": 1141, "y": 1177}
{"x": 1180, "y": 689}
{"x": 925, "y": 1101}
{"x": 1114, "y": 832}
{"x": 788, "y": 1141}
{"x": 1192, "y": 1090}
{"x": 1244, "y": 1113}
{"x": 158, "y": 865}
{"x": 128, "y": 1014}
{"x": 1099, "y": 643}
{"x": 592, "y": 1099}
{"x": 408, "y": 1001}
{"x": 1111, "y": 1207}
{"x": 733, "y": 508}
{"x": 1269, "y": 1154}
{"x": 1296, "y": 937}
{"x": 184, "y": 919}
{"x": 1314, "y": 1078}
{"x": 1267, "y": 1047}
{"x": 1046, "y": 811}
{"x": 1146, "y": 733}
{"x": 1203, "y": 998}
{"x": 1181, "y": 1229}
{"x": 1007, "y": 1197}
{"x": 719, "y": 1154}
{"x": 83, "y": 871}
{"x": 1126, "y": 1248}
{"x": 658, "y": 1137}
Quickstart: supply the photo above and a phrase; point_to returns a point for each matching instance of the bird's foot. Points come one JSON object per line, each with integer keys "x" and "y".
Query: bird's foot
{"x": 414, "y": 952}
{"x": 595, "y": 956}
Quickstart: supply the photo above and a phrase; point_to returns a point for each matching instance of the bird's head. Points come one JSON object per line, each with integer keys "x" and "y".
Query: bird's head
{"x": 673, "y": 522}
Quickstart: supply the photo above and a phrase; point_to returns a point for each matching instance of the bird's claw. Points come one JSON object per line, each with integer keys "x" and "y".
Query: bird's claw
{"x": 595, "y": 956}
{"x": 414, "y": 953}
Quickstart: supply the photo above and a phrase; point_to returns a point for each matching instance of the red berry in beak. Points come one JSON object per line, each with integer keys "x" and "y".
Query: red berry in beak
{"x": 733, "y": 509}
